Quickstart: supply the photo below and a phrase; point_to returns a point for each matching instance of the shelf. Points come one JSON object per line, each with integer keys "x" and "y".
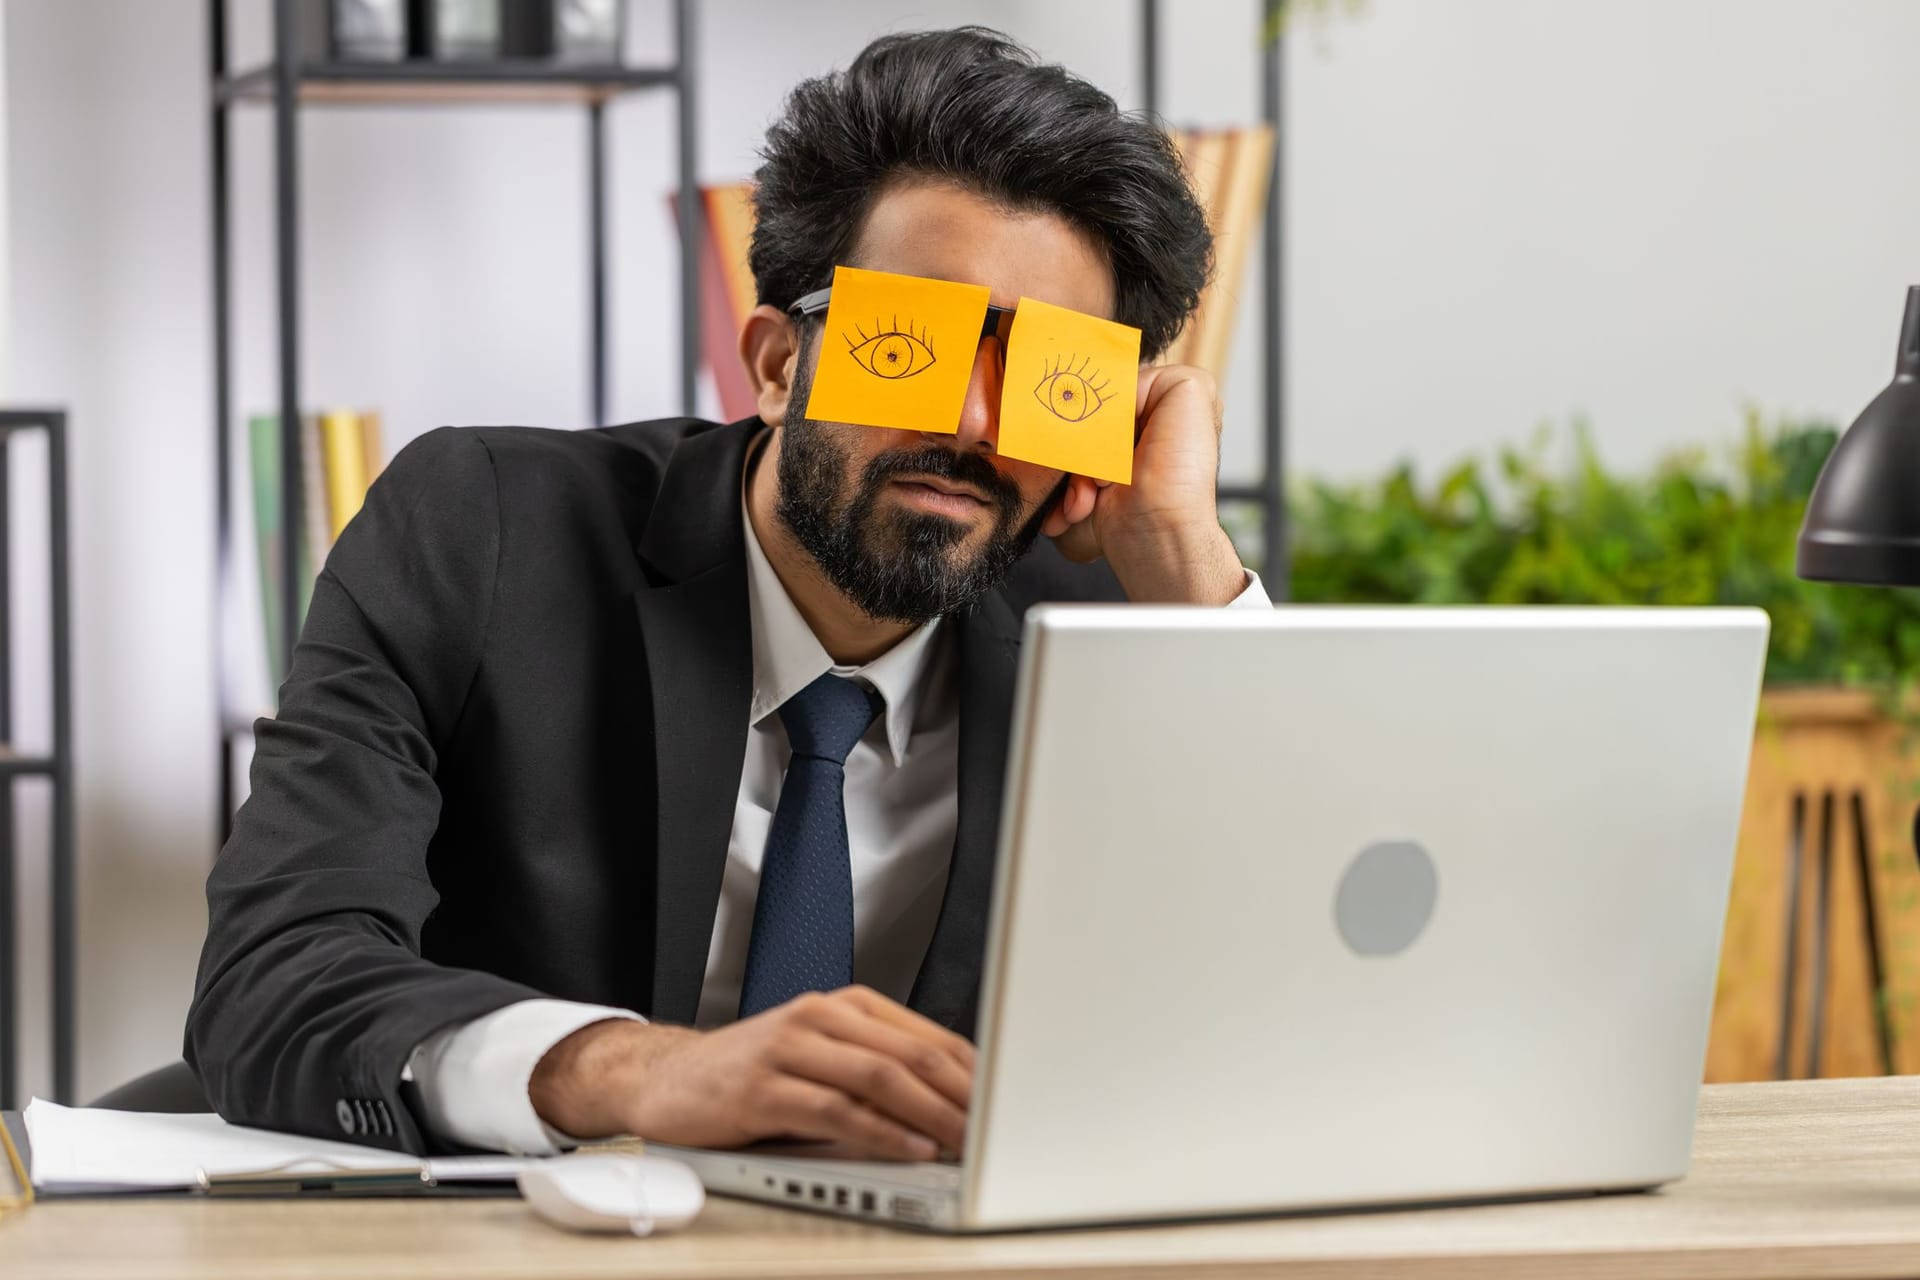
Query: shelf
{"x": 26, "y": 419}
{"x": 436, "y": 83}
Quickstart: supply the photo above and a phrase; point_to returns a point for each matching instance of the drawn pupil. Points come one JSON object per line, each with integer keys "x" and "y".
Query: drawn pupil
{"x": 1068, "y": 396}
{"x": 892, "y": 355}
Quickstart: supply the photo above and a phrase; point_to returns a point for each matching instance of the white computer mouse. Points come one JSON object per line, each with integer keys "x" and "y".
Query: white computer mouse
{"x": 640, "y": 1194}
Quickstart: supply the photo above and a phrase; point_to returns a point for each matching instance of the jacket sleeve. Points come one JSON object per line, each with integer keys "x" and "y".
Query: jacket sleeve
{"x": 312, "y": 992}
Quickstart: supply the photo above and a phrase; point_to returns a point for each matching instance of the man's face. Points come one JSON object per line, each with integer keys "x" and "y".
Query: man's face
{"x": 911, "y": 525}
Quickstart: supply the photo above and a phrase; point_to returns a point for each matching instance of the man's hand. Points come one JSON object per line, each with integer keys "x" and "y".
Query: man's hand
{"x": 1161, "y": 534}
{"x": 849, "y": 1067}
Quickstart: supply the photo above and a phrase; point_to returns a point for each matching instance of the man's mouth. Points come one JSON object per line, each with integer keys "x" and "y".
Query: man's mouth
{"x": 939, "y": 485}
{"x": 943, "y": 496}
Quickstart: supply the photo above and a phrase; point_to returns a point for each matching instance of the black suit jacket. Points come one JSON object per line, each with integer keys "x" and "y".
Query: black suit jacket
{"x": 506, "y": 763}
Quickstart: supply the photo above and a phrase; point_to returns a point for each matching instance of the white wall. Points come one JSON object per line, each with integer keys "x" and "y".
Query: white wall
{"x": 1501, "y": 211}
{"x": 109, "y": 299}
{"x": 1651, "y": 212}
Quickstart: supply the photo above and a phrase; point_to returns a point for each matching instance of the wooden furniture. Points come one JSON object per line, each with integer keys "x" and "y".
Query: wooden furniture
{"x": 1802, "y": 1179}
{"x": 1819, "y": 977}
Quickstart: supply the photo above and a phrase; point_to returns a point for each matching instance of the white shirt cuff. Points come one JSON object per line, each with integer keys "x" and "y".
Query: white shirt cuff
{"x": 471, "y": 1080}
{"x": 1253, "y": 595}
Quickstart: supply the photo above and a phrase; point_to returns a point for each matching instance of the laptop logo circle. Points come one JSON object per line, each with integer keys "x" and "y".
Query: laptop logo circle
{"x": 1386, "y": 897}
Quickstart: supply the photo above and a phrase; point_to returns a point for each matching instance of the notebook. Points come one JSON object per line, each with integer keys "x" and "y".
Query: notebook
{"x": 71, "y": 1151}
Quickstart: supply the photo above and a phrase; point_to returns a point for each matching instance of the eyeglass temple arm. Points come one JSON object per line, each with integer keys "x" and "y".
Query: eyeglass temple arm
{"x": 811, "y": 303}
{"x": 816, "y": 302}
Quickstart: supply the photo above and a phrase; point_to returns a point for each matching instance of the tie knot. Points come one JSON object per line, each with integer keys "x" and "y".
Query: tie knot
{"x": 825, "y": 719}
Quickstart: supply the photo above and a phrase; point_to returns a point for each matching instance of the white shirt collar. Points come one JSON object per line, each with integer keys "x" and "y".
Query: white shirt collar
{"x": 787, "y": 656}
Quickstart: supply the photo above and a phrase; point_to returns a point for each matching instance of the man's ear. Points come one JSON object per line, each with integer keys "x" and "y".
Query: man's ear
{"x": 770, "y": 347}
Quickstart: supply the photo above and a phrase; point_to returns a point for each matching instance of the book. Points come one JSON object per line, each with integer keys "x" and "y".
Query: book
{"x": 1204, "y": 152}
{"x": 727, "y": 293}
{"x": 1230, "y": 170}
{"x": 270, "y": 532}
{"x": 92, "y": 1151}
{"x": 316, "y": 526}
{"x": 730, "y": 224}
{"x": 373, "y": 452}
{"x": 340, "y": 452}
{"x": 343, "y": 442}
{"x": 1237, "y": 211}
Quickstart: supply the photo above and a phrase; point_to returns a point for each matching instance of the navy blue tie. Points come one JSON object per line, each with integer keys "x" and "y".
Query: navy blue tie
{"x": 803, "y": 916}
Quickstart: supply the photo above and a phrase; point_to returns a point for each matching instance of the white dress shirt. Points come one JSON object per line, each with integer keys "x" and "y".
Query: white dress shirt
{"x": 902, "y": 807}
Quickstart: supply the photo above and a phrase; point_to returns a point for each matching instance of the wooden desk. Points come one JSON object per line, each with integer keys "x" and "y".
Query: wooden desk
{"x": 1805, "y": 1180}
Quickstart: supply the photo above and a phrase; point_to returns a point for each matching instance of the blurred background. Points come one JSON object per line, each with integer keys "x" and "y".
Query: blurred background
{"x": 1573, "y": 295}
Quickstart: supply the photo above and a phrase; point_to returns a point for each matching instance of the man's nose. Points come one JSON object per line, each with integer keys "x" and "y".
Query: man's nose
{"x": 980, "y": 411}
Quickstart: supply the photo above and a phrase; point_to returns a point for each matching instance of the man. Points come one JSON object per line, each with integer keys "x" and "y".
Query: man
{"x": 563, "y": 697}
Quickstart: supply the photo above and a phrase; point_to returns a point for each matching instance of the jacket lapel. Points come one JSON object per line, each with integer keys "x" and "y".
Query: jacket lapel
{"x": 947, "y": 988}
{"x": 694, "y": 628}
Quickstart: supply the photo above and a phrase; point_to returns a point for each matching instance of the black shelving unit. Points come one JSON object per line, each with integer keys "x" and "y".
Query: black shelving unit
{"x": 1269, "y": 491}
{"x": 56, "y": 765}
{"x": 289, "y": 84}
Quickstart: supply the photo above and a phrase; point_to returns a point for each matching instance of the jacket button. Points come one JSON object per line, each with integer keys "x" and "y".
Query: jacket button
{"x": 344, "y": 1114}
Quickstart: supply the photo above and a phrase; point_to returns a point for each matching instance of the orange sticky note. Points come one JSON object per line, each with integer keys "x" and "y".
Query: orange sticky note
{"x": 897, "y": 351}
{"x": 1068, "y": 398}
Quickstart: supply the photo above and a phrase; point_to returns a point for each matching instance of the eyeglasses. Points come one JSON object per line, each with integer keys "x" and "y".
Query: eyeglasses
{"x": 998, "y": 323}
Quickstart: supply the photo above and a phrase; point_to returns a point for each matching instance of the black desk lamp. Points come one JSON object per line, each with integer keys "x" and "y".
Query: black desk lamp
{"x": 1863, "y": 520}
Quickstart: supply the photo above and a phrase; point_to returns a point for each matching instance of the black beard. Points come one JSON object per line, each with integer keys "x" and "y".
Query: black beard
{"x": 896, "y": 566}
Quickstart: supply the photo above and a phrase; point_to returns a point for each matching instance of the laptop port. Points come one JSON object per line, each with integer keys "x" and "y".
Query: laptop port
{"x": 869, "y": 1203}
{"x": 820, "y": 1192}
{"x": 839, "y": 1197}
{"x": 912, "y": 1209}
{"x": 794, "y": 1190}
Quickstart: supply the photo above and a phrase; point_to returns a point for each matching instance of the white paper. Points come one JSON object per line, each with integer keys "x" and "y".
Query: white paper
{"x": 91, "y": 1149}
{"x": 479, "y": 1168}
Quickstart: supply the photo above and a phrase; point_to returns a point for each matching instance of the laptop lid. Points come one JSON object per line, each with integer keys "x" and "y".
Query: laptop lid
{"x": 1355, "y": 906}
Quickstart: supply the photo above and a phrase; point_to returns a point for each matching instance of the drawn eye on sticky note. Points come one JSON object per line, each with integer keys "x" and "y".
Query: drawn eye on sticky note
{"x": 1068, "y": 397}
{"x": 896, "y": 351}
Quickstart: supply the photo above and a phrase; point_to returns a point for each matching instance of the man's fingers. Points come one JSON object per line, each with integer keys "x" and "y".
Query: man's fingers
{"x": 934, "y": 1061}
{"x": 823, "y": 1113}
{"x": 914, "y": 1024}
{"x": 809, "y": 1110}
{"x": 880, "y": 1082}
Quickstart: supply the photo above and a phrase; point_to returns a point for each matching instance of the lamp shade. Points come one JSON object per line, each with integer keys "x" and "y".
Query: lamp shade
{"x": 1863, "y": 520}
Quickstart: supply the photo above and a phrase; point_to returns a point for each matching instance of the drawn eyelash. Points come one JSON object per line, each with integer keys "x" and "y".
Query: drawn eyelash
{"x": 891, "y": 352}
{"x": 1072, "y": 392}
{"x": 895, "y": 329}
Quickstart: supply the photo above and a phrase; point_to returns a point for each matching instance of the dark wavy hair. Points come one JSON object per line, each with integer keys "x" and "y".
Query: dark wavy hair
{"x": 972, "y": 107}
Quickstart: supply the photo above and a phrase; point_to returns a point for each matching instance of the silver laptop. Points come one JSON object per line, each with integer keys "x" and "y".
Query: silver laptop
{"x": 1338, "y": 907}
